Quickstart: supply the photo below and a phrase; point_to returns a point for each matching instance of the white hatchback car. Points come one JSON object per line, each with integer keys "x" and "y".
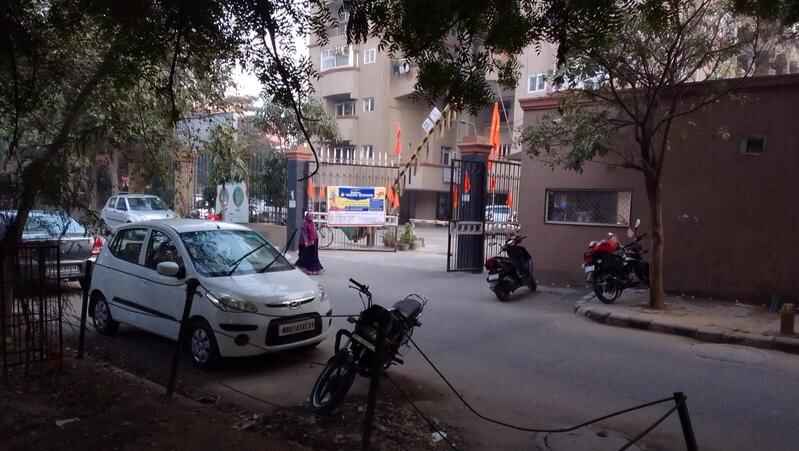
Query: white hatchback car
{"x": 251, "y": 300}
{"x": 125, "y": 208}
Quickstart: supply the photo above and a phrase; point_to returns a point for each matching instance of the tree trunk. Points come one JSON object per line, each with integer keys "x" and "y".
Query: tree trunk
{"x": 656, "y": 289}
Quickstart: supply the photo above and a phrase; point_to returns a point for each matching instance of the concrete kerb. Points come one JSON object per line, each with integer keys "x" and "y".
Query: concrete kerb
{"x": 604, "y": 315}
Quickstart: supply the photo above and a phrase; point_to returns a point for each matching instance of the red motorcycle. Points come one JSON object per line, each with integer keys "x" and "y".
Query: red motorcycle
{"x": 611, "y": 267}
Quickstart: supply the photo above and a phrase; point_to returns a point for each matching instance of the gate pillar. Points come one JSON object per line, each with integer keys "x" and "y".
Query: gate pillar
{"x": 298, "y": 161}
{"x": 474, "y": 153}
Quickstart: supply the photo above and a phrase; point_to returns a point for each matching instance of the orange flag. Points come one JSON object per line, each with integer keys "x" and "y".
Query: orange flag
{"x": 509, "y": 200}
{"x": 467, "y": 183}
{"x": 396, "y": 197}
{"x": 311, "y": 190}
{"x": 456, "y": 194}
{"x": 494, "y": 137}
{"x": 397, "y": 144}
{"x": 492, "y": 183}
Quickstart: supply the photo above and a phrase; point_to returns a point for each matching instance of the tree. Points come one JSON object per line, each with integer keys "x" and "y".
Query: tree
{"x": 636, "y": 85}
{"x": 228, "y": 163}
{"x": 64, "y": 61}
{"x": 277, "y": 120}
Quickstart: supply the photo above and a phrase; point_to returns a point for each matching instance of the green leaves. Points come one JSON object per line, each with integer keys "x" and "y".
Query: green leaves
{"x": 228, "y": 158}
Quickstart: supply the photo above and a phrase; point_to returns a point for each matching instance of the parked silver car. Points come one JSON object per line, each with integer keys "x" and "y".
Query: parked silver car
{"x": 125, "y": 208}
{"x": 76, "y": 244}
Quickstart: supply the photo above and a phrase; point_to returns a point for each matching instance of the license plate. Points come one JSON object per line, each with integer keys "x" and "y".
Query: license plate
{"x": 588, "y": 268}
{"x": 493, "y": 277}
{"x": 70, "y": 269}
{"x": 296, "y": 327}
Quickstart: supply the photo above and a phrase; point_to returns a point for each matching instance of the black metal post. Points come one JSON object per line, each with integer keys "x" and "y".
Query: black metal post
{"x": 84, "y": 308}
{"x": 685, "y": 422}
{"x": 374, "y": 385}
{"x": 296, "y": 168}
{"x": 191, "y": 289}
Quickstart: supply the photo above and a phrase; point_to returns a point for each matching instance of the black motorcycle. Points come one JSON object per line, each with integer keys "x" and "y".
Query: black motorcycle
{"x": 611, "y": 267}
{"x": 358, "y": 354}
{"x": 507, "y": 274}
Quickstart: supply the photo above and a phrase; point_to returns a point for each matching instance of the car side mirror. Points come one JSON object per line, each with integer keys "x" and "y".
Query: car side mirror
{"x": 169, "y": 269}
{"x": 637, "y": 223}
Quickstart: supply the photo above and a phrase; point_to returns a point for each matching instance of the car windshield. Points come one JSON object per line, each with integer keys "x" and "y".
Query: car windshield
{"x": 214, "y": 252}
{"x": 146, "y": 204}
{"x": 54, "y": 225}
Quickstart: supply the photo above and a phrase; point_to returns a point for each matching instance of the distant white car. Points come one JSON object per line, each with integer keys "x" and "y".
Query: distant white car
{"x": 126, "y": 208}
{"x": 251, "y": 300}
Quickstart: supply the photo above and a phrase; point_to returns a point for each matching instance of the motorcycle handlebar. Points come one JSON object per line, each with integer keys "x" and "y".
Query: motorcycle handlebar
{"x": 359, "y": 285}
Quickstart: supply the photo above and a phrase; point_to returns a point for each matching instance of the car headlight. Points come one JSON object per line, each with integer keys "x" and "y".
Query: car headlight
{"x": 230, "y": 304}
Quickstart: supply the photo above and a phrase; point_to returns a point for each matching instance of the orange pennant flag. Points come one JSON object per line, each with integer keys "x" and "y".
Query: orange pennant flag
{"x": 494, "y": 138}
{"x": 311, "y": 190}
{"x": 492, "y": 184}
{"x": 396, "y": 198}
{"x": 397, "y": 144}
{"x": 509, "y": 200}
{"x": 467, "y": 183}
{"x": 456, "y": 194}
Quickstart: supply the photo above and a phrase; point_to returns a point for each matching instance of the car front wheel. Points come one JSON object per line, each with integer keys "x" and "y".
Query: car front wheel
{"x": 202, "y": 345}
{"x": 103, "y": 322}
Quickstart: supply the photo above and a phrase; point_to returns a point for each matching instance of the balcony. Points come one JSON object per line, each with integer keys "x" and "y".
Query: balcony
{"x": 403, "y": 78}
{"x": 347, "y": 128}
{"x": 339, "y": 81}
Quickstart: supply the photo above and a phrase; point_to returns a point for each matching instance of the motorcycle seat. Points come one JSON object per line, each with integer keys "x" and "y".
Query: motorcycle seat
{"x": 408, "y": 308}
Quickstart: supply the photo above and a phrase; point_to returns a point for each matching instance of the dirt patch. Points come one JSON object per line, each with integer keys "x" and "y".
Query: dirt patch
{"x": 93, "y": 406}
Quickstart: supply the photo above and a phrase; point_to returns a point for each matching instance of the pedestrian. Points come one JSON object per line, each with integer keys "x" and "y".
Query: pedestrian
{"x": 309, "y": 248}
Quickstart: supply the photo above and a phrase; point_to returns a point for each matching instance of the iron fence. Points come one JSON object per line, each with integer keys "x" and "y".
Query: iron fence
{"x": 30, "y": 307}
{"x": 267, "y": 186}
{"x": 502, "y": 205}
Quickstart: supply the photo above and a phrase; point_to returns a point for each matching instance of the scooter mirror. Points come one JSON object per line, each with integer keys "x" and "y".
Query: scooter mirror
{"x": 630, "y": 233}
{"x": 637, "y": 223}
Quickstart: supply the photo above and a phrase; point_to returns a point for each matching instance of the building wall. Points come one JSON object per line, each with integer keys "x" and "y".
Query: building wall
{"x": 730, "y": 218}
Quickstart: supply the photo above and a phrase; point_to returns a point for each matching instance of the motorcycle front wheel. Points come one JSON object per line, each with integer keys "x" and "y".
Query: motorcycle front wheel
{"x": 605, "y": 288}
{"x": 333, "y": 383}
{"x": 502, "y": 293}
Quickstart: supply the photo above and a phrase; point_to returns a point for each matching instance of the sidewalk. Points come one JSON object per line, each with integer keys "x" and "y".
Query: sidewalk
{"x": 700, "y": 319}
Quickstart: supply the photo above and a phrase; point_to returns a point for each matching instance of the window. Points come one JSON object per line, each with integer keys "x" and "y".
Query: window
{"x": 369, "y": 56}
{"x": 215, "y": 252}
{"x": 54, "y": 225}
{"x": 368, "y": 151}
{"x": 588, "y": 207}
{"x": 160, "y": 249}
{"x": 345, "y": 108}
{"x": 537, "y": 83}
{"x": 753, "y": 145}
{"x": 121, "y": 205}
{"x": 146, "y": 204}
{"x": 336, "y": 57}
{"x": 368, "y": 104}
{"x": 127, "y": 244}
{"x": 112, "y": 202}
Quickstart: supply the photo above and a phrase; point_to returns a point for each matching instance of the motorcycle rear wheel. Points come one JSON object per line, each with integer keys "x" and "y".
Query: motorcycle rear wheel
{"x": 502, "y": 293}
{"x": 333, "y": 384}
{"x": 605, "y": 289}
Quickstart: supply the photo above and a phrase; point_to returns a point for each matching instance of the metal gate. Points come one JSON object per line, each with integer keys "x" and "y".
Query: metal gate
{"x": 484, "y": 203}
{"x": 352, "y": 168}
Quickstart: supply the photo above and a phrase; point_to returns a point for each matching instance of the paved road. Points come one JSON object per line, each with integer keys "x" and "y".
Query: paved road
{"x": 530, "y": 361}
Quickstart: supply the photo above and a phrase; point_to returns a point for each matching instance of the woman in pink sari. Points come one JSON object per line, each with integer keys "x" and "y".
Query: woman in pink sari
{"x": 309, "y": 248}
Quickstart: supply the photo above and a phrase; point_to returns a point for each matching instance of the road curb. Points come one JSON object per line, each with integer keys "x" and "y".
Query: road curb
{"x": 604, "y": 315}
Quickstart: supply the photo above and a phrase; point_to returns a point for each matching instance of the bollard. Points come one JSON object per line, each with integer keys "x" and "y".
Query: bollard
{"x": 787, "y": 319}
{"x": 685, "y": 422}
{"x": 191, "y": 288}
{"x": 84, "y": 308}
{"x": 374, "y": 385}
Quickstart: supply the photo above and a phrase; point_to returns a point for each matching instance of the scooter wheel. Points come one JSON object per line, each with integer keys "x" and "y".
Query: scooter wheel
{"x": 533, "y": 285}
{"x": 502, "y": 294}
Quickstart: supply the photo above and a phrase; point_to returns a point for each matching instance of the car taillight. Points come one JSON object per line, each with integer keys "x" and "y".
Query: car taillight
{"x": 491, "y": 264}
{"x": 588, "y": 257}
{"x": 97, "y": 246}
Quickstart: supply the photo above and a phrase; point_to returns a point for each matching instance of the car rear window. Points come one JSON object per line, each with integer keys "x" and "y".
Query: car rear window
{"x": 146, "y": 204}
{"x": 53, "y": 225}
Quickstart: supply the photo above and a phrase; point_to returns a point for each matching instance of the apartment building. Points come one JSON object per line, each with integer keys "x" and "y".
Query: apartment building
{"x": 371, "y": 95}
